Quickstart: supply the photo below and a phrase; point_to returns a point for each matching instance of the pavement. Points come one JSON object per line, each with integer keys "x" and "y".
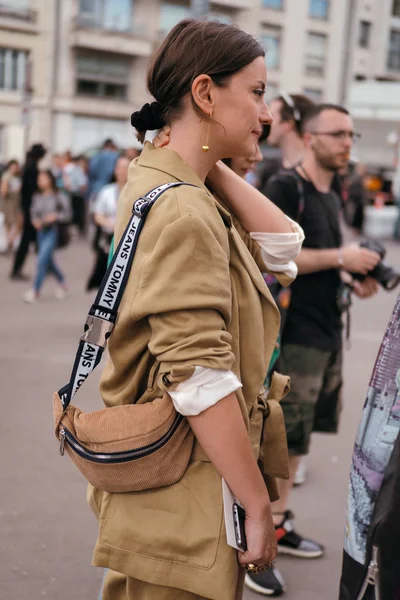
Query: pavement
{"x": 47, "y": 533}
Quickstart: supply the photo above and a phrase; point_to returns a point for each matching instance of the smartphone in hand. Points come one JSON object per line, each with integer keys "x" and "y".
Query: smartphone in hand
{"x": 239, "y": 518}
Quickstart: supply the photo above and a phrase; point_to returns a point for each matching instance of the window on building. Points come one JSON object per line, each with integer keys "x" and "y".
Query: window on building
{"x": 277, "y": 4}
{"x": 365, "y": 34}
{"x": 271, "y": 40}
{"x": 106, "y": 14}
{"x": 394, "y": 50}
{"x": 396, "y": 8}
{"x": 171, "y": 13}
{"x": 316, "y": 54}
{"x": 12, "y": 69}
{"x": 315, "y": 94}
{"x": 102, "y": 77}
{"x": 319, "y": 9}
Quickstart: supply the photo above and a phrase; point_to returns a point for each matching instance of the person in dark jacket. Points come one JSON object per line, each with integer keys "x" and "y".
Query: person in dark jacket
{"x": 28, "y": 189}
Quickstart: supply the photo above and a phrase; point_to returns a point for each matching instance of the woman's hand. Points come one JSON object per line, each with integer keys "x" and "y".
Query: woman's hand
{"x": 261, "y": 540}
{"x": 162, "y": 137}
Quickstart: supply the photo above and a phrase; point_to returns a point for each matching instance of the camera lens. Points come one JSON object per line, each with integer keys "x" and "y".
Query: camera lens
{"x": 386, "y": 276}
{"x": 393, "y": 282}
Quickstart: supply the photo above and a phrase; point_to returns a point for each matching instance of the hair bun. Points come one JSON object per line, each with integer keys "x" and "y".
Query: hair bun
{"x": 149, "y": 117}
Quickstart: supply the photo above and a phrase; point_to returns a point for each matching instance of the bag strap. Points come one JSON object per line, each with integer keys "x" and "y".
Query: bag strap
{"x": 104, "y": 311}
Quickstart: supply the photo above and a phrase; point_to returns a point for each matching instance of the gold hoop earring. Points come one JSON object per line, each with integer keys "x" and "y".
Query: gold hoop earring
{"x": 206, "y": 146}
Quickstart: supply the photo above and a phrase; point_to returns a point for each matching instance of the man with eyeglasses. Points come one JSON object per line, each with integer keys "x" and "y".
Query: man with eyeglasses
{"x": 311, "y": 350}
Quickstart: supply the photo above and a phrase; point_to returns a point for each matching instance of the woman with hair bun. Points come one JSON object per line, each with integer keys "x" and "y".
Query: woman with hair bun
{"x": 197, "y": 322}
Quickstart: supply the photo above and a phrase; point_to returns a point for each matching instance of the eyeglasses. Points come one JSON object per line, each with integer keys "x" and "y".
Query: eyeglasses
{"x": 339, "y": 135}
{"x": 289, "y": 101}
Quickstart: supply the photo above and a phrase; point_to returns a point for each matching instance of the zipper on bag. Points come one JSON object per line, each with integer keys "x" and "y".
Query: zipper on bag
{"x": 116, "y": 457}
{"x": 62, "y": 441}
{"x": 372, "y": 577}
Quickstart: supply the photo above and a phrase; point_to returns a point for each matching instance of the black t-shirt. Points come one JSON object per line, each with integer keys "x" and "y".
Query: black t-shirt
{"x": 313, "y": 317}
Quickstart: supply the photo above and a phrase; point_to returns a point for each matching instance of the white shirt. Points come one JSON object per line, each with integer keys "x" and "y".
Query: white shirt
{"x": 106, "y": 202}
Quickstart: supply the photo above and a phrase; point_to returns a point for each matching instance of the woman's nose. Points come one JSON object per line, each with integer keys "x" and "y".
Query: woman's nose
{"x": 265, "y": 117}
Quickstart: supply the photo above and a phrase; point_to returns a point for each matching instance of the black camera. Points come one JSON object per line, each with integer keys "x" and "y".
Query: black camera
{"x": 384, "y": 274}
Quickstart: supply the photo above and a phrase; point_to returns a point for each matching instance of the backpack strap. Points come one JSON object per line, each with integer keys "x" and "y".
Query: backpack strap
{"x": 104, "y": 311}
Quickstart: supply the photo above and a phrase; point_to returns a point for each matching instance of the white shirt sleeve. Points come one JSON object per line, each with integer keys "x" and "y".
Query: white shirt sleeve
{"x": 106, "y": 201}
{"x": 278, "y": 250}
{"x": 202, "y": 390}
{"x": 101, "y": 204}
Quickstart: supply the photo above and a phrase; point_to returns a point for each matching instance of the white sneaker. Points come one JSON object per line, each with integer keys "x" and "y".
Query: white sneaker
{"x": 301, "y": 473}
{"x": 60, "y": 293}
{"x": 29, "y": 297}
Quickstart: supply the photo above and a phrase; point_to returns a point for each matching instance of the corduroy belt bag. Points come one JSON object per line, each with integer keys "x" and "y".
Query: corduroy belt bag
{"x": 123, "y": 448}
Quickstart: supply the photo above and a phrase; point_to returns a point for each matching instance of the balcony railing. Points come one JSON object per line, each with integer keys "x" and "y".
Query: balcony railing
{"x": 21, "y": 14}
{"x": 133, "y": 29}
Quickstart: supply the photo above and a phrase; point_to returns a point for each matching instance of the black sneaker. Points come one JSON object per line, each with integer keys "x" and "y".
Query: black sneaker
{"x": 267, "y": 583}
{"x": 19, "y": 277}
{"x": 290, "y": 542}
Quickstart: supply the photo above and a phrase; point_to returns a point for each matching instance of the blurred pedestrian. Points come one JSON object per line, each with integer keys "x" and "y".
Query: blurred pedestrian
{"x": 57, "y": 168}
{"x": 10, "y": 190}
{"x": 287, "y": 111}
{"x": 104, "y": 213}
{"x": 131, "y": 153}
{"x": 28, "y": 189}
{"x": 101, "y": 168}
{"x": 312, "y": 335}
{"x": 244, "y": 166}
{"x": 50, "y": 207}
{"x": 75, "y": 183}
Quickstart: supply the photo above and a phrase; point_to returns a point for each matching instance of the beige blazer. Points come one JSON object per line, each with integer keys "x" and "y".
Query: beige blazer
{"x": 195, "y": 297}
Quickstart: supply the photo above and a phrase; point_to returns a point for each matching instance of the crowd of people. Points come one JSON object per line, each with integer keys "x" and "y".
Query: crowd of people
{"x": 44, "y": 208}
{"x": 206, "y": 345}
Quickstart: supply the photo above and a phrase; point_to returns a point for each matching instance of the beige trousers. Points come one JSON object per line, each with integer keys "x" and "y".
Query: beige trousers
{"x": 120, "y": 587}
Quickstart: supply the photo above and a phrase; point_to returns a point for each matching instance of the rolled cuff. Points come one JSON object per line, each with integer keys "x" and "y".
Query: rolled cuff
{"x": 278, "y": 250}
{"x": 204, "y": 389}
{"x": 290, "y": 268}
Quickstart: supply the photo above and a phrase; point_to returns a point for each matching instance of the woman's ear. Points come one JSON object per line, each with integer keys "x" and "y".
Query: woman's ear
{"x": 203, "y": 93}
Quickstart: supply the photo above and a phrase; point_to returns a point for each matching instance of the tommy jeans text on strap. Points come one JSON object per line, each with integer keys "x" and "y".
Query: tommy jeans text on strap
{"x": 123, "y": 448}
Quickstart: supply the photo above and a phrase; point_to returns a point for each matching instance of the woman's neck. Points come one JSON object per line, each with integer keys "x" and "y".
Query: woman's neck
{"x": 187, "y": 140}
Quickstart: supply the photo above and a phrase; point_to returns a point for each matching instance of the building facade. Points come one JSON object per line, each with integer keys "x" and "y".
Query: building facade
{"x": 72, "y": 71}
{"x": 374, "y": 79}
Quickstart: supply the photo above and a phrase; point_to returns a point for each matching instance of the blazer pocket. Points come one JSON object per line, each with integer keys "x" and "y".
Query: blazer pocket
{"x": 180, "y": 523}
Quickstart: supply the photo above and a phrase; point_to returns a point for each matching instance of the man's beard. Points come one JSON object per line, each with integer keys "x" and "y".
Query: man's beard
{"x": 328, "y": 164}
